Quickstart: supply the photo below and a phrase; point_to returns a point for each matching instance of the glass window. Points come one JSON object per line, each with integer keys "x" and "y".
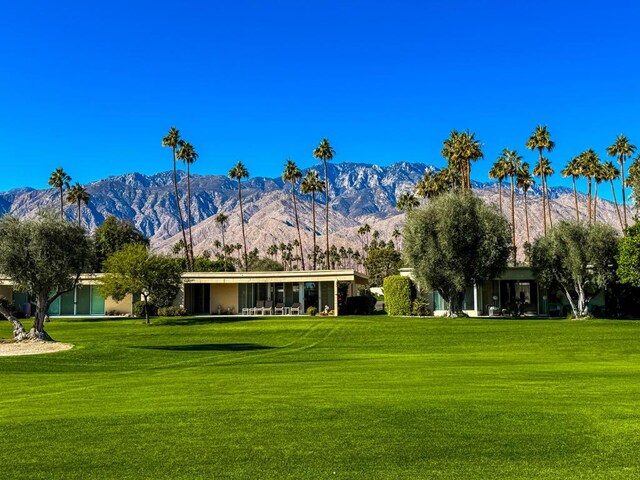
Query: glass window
{"x": 66, "y": 303}
{"x": 83, "y": 300}
{"x": 97, "y": 301}
{"x": 311, "y": 295}
{"x": 326, "y": 295}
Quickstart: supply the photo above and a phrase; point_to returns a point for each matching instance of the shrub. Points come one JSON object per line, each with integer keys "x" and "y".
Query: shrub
{"x": 312, "y": 311}
{"x": 138, "y": 309}
{"x": 171, "y": 311}
{"x": 398, "y": 295}
{"x": 421, "y": 307}
{"x": 361, "y": 305}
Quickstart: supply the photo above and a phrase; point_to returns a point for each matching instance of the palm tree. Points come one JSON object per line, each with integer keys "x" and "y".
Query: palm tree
{"x": 512, "y": 162}
{"x": 78, "y": 194}
{"x": 623, "y": 150}
{"x": 589, "y": 162}
{"x": 221, "y": 220}
{"x": 59, "y": 179}
{"x": 499, "y": 172}
{"x": 573, "y": 170}
{"x": 292, "y": 174}
{"x": 460, "y": 149}
{"x": 325, "y": 152}
{"x": 611, "y": 172}
{"x": 238, "y": 173}
{"x": 525, "y": 180}
{"x": 430, "y": 185}
{"x": 311, "y": 184}
{"x": 633, "y": 181}
{"x": 599, "y": 176}
{"x": 188, "y": 155}
{"x": 540, "y": 140}
{"x": 172, "y": 140}
{"x": 407, "y": 201}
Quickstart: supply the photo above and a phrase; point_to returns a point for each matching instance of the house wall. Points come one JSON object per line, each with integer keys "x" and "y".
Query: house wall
{"x": 224, "y": 295}
{"x": 122, "y": 307}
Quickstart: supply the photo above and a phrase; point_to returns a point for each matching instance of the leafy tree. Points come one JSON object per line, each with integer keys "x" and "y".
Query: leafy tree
{"x": 579, "y": 258}
{"x": 453, "y": 242}
{"x": 238, "y": 173}
{"x": 622, "y": 149}
{"x": 293, "y": 174}
{"x": 263, "y": 264}
{"x": 113, "y": 235}
{"x": 135, "y": 270}
{"x": 629, "y": 256}
{"x": 59, "y": 179}
{"x": 382, "y": 262}
{"x": 540, "y": 140}
{"x": 172, "y": 140}
{"x": 524, "y": 180}
{"x": 44, "y": 258}
{"x": 311, "y": 184}
{"x": 325, "y": 152}
{"x": 188, "y": 155}
{"x": 79, "y": 195}
{"x": 204, "y": 264}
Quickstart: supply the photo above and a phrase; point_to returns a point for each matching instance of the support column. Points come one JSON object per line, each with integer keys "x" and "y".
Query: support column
{"x": 335, "y": 297}
{"x": 475, "y": 298}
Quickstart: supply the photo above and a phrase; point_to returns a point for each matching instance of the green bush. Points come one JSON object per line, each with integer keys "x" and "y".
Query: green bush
{"x": 312, "y": 311}
{"x": 421, "y": 307}
{"x": 171, "y": 311}
{"x": 399, "y": 293}
{"x": 138, "y": 309}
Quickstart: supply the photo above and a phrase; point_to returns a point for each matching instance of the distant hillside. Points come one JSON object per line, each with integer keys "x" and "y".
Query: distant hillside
{"x": 359, "y": 193}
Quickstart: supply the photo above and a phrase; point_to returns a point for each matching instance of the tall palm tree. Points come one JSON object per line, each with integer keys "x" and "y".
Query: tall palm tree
{"x": 633, "y": 182}
{"x": 499, "y": 172}
{"x": 460, "y": 149}
{"x": 188, "y": 155}
{"x": 172, "y": 140}
{"x": 311, "y": 184}
{"x": 79, "y": 195}
{"x": 292, "y": 174}
{"x": 325, "y": 152}
{"x": 525, "y": 180}
{"x": 238, "y": 173}
{"x": 221, "y": 220}
{"x": 430, "y": 185}
{"x": 543, "y": 169}
{"x": 540, "y": 140}
{"x": 589, "y": 161}
{"x": 512, "y": 162}
{"x": 396, "y": 234}
{"x": 573, "y": 170}
{"x": 59, "y": 179}
{"x": 407, "y": 201}
{"x": 611, "y": 173}
{"x": 622, "y": 149}
{"x": 600, "y": 175}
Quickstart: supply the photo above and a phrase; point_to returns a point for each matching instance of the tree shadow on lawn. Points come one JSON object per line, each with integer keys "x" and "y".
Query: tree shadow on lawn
{"x": 210, "y": 347}
{"x": 185, "y": 321}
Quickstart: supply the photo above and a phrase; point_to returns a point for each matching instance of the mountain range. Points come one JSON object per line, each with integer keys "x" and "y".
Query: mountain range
{"x": 359, "y": 193}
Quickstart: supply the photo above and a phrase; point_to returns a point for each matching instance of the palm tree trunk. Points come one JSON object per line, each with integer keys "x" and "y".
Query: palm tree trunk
{"x": 244, "y": 238}
{"x": 546, "y": 187}
{"x": 313, "y": 215}
{"x": 615, "y": 201}
{"x": 526, "y": 214}
{"x": 589, "y": 199}
{"x": 61, "y": 204}
{"x": 575, "y": 198}
{"x": 189, "y": 215}
{"x": 175, "y": 187}
{"x": 595, "y": 205}
{"x": 544, "y": 207}
{"x": 513, "y": 221}
{"x": 500, "y": 194}
{"x": 79, "y": 213}
{"x": 326, "y": 221}
{"x": 224, "y": 248}
{"x": 295, "y": 211}
{"x": 624, "y": 194}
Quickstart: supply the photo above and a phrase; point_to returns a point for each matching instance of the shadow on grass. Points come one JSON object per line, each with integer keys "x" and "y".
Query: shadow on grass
{"x": 173, "y": 321}
{"x": 210, "y": 347}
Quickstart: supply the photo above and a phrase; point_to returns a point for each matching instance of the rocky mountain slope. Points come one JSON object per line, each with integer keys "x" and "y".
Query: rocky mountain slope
{"x": 359, "y": 193}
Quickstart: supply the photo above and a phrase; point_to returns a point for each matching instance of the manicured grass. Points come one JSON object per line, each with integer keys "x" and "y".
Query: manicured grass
{"x": 350, "y": 398}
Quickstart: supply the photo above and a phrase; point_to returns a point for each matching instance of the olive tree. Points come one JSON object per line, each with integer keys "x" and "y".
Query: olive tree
{"x": 44, "y": 257}
{"x": 137, "y": 271}
{"x": 580, "y": 258}
{"x": 453, "y": 242}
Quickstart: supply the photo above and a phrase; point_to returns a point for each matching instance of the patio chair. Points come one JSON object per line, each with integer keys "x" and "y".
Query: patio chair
{"x": 296, "y": 309}
{"x": 268, "y": 308}
{"x": 258, "y": 309}
{"x": 279, "y": 309}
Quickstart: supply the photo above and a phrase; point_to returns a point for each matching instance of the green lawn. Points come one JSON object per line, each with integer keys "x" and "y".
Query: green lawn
{"x": 352, "y": 397}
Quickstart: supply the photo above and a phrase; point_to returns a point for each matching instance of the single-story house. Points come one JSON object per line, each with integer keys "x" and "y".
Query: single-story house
{"x": 516, "y": 290}
{"x": 204, "y": 293}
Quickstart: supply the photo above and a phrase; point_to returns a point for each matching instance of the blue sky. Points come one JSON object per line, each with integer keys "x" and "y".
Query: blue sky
{"x": 94, "y": 87}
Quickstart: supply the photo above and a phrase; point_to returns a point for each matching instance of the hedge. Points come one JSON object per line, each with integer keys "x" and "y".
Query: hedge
{"x": 398, "y": 295}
